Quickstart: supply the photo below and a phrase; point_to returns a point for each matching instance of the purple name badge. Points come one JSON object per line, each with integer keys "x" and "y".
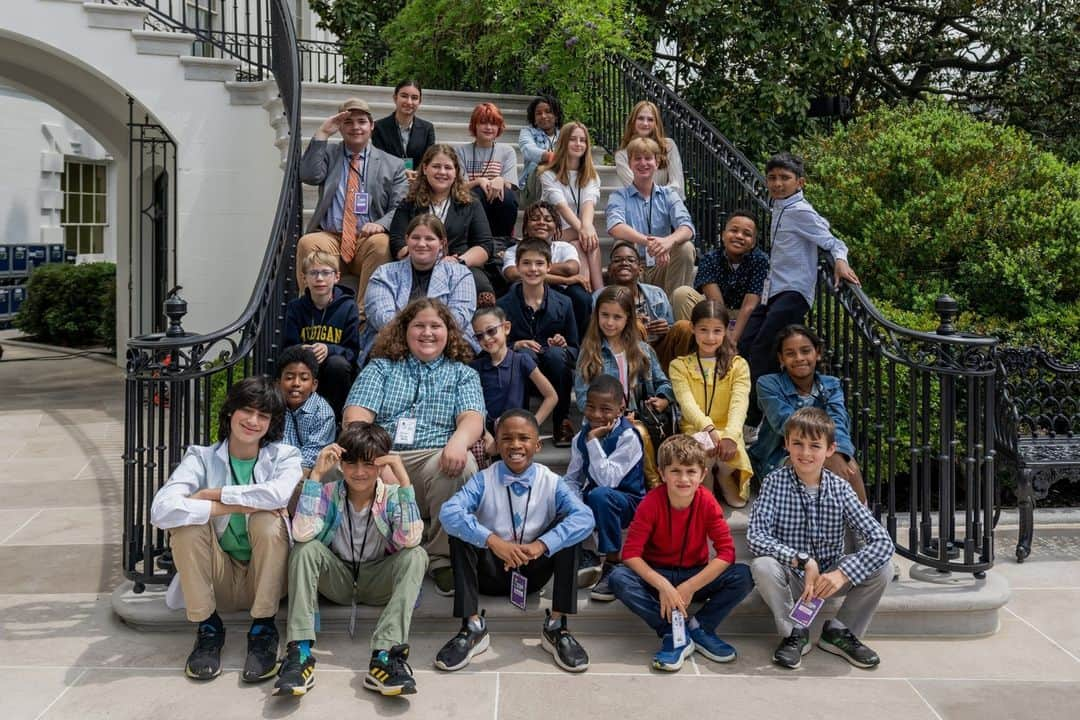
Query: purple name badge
{"x": 519, "y": 585}
{"x": 360, "y": 203}
{"x": 804, "y": 612}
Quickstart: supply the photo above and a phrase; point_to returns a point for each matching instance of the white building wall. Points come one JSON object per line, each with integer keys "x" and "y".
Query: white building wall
{"x": 35, "y": 139}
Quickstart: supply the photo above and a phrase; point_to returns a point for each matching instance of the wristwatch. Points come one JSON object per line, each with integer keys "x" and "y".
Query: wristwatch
{"x": 801, "y": 559}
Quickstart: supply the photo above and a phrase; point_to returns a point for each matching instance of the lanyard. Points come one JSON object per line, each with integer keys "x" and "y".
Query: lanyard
{"x": 362, "y": 174}
{"x": 483, "y": 168}
{"x": 353, "y": 561}
{"x": 232, "y": 470}
{"x": 513, "y": 526}
{"x": 709, "y": 397}
{"x": 440, "y": 211}
{"x": 812, "y": 524}
{"x": 686, "y": 530}
{"x": 575, "y": 197}
{"x": 647, "y": 212}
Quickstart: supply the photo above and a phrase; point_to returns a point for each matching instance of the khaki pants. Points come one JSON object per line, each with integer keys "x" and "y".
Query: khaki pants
{"x": 433, "y": 488}
{"x": 675, "y": 343}
{"x": 371, "y": 252}
{"x": 679, "y": 270}
{"x": 212, "y": 580}
{"x": 393, "y": 581}
{"x": 683, "y": 301}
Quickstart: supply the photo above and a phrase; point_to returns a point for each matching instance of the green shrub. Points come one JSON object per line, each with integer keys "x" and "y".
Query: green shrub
{"x": 508, "y": 45}
{"x": 72, "y": 305}
{"x": 931, "y": 200}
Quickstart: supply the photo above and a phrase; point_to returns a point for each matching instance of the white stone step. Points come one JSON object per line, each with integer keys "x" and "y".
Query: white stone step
{"x": 115, "y": 17}
{"x": 381, "y": 107}
{"x": 209, "y": 69}
{"x": 967, "y": 608}
{"x": 153, "y": 42}
{"x": 338, "y": 93}
{"x": 598, "y": 223}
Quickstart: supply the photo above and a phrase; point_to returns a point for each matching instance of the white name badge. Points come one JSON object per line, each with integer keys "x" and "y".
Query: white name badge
{"x": 405, "y": 432}
{"x": 678, "y": 628}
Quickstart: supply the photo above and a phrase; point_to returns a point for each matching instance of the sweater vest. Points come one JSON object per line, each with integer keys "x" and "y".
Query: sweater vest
{"x": 634, "y": 481}
{"x": 496, "y": 515}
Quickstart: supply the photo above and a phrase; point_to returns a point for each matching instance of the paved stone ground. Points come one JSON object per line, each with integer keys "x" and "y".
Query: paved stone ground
{"x": 66, "y": 656}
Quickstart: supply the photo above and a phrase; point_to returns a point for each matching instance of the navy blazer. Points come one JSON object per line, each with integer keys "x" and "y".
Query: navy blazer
{"x": 386, "y": 137}
{"x": 555, "y": 317}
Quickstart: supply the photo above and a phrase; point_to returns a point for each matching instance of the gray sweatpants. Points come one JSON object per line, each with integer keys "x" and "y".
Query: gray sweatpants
{"x": 780, "y": 585}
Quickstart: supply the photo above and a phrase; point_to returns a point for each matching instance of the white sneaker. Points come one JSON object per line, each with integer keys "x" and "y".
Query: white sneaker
{"x": 749, "y": 434}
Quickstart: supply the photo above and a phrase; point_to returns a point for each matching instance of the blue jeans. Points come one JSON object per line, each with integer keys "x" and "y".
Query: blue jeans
{"x": 613, "y": 510}
{"x": 720, "y": 596}
{"x": 758, "y": 341}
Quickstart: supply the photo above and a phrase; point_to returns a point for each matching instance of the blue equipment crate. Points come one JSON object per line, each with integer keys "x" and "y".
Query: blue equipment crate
{"x": 19, "y": 255}
{"x": 17, "y": 296}
{"x": 5, "y": 260}
{"x": 56, "y": 253}
{"x": 36, "y": 255}
{"x": 5, "y": 302}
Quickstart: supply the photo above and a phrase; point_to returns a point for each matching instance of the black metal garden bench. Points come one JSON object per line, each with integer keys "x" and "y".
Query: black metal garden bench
{"x": 1038, "y": 428}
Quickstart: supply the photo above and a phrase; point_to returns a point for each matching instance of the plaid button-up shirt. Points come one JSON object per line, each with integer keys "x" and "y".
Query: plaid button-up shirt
{"x": 309, "y": 428}
{"x": 433, "y": 393}
{"x": 786, "y": 520}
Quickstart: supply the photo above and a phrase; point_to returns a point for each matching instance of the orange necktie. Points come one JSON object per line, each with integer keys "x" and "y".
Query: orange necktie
{"x": 348, "y": 218}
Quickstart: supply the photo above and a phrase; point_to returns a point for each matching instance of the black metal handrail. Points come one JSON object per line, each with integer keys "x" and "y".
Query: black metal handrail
{"x": 175, "y": 380}
{"x": 719, "y": 178}
{"x": 921, "y": 404}
{"x": 922, "y": 409}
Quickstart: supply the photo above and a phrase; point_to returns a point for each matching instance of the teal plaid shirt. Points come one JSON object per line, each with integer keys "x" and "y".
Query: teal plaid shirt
{"x": 434, "y": 393}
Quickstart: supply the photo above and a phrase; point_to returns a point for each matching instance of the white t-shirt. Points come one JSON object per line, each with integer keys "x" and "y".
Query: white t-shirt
{"x": 570, "y": 195}
{"x": 560, "y": 252}
{"x": 374, "y": 548}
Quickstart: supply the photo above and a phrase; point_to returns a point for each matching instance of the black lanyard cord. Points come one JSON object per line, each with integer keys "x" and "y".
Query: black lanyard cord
{"x": 519, "y": 539}
{"x": 812, "y": 524}
{"x": 491, "y": 156}
{"x": 353, "y": 561}
{"x": 710, "y": 398}
{"x": 362, "y": 174}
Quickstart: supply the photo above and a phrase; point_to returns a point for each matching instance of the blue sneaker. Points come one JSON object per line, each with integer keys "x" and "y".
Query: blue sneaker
{"x": 671, "y": 658}
{"x": 711, "y": 646}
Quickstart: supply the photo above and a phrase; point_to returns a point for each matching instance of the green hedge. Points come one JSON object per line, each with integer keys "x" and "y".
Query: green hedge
{"x": 933, "y": 201}
{"x": 73, "y": 305}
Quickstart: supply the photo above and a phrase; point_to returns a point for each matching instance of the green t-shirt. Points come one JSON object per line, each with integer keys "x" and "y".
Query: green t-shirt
{"x": 234, "y": 540}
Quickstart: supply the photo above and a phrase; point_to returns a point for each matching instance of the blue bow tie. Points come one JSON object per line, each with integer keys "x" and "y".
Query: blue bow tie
{"x": 518, "y": 484}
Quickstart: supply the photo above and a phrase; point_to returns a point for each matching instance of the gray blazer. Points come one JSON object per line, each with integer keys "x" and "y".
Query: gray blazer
{"x": 385, "y": 174}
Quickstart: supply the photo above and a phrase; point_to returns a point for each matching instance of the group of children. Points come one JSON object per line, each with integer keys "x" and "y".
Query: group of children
{"x": 634, "y": 515}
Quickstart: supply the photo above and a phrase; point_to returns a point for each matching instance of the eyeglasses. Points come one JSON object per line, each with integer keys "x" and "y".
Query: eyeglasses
{"x": 319, "y": 274}
{"x": 487, "y": 333}
{"x": 624, "y": 260}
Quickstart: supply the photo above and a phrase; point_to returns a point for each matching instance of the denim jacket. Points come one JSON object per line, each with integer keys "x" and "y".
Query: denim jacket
{"x": 533, "y": 143}
{"x": 655, "y": 297}
{"x": 654, "y": 379}
{"x": 778, "y": 400}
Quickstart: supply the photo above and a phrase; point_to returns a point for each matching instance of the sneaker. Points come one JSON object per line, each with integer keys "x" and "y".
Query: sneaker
{"x": 444, "y": 581}
{"x": 389, "y": 673}
{"x": 791, "y": 649}
{"x": 564, "y": 434}
{"x": 567, "y": 651}
{"x": 749, "y": 434}
{"x": 461, "y": 648}
{"x": 590, "y": 569}
{"x": 602, "y": 591}
{"x": 262, "y": 660}
{"x": 842, "y": 642}
{"x": 204, "y": 662}
{"x": 295, "y": 678}
{"x": 670, "y": 658}
{"x": 711, "y": 646}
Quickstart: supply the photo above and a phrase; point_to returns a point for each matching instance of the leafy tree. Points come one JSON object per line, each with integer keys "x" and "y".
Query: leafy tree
{"x": 360, "y": 27}
{"x": 932, "y": 200}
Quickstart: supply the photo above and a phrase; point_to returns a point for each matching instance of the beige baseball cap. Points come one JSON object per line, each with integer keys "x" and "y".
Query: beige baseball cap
{"x": 355, "y": 104}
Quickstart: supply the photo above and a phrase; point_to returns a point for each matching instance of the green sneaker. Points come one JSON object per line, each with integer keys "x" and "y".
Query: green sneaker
{"x": 842, "y": 642}
{"x": 444, "y": 581}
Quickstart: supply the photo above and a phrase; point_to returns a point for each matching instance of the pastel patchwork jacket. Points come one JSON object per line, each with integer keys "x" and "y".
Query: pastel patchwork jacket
{"x": 395, "y": 513}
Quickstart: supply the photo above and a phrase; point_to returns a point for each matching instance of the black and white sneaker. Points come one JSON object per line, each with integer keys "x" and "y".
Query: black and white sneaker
{"x": 390, "y": 673}
{"x": 459, "y": 650}
{"x": 602, "y": 590}
{"x": 295, "y": 677}
{"x": 842, "y": 642}
{"x": 589, "y": 569}
{"x": 567, "y": 651}
{"x": 791, "y": 649}
{"x": 262, "y": 658}
{"x": 204, "y": 662}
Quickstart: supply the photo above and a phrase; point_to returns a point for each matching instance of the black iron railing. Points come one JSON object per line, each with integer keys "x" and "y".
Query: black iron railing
{"x": 719, "y": 178}
{"x": 921, "y": 404}
{"x": 239, "y": 30}
{"x": 176, "y": 380}
{"x": 922, "y": 416}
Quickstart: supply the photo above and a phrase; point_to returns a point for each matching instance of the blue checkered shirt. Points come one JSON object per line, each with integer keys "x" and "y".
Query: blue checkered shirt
{"x": 309, "y": 428}
{"x": 434, "y": 393}
{"x": 786, "y": 520}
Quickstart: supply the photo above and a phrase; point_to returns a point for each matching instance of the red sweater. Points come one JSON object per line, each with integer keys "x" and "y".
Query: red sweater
{"x": 657, "y": 531}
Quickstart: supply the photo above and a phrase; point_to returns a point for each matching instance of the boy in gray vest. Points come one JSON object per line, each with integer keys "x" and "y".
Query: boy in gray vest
{"x": 511, "y": 527}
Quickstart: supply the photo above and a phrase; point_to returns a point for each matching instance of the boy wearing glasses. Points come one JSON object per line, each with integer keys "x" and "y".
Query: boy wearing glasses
{"x": 669, "y": 339}
{"x": 325, "y": 320}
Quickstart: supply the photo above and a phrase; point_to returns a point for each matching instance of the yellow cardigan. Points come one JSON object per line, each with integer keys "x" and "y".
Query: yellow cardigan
{"x": 731, "y": 401}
